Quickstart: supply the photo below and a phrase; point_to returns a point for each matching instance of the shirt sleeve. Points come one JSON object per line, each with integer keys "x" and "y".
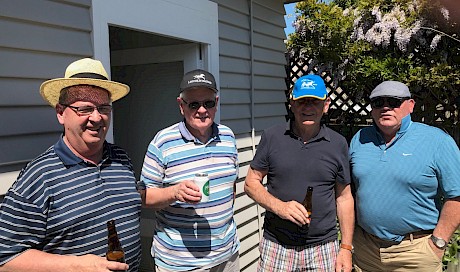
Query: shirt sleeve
{"x": 261, "y": 158}
{"x": 448, "y": 166}
{"x": 22, "y": 226}
{"x": 343, "y": 171}
{"x": 153, "y": 168}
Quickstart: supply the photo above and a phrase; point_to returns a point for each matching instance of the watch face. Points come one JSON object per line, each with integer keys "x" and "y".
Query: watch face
{"x": 438, "y": 242}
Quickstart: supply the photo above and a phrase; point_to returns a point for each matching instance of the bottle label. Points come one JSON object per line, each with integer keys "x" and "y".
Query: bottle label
{"x": 202, "y": 180}
{"x": 206, "y": 188}
{"x": 117, "y": 256}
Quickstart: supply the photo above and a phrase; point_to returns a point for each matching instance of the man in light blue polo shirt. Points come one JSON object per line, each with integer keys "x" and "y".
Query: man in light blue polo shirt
{"x": 401, "y": 170}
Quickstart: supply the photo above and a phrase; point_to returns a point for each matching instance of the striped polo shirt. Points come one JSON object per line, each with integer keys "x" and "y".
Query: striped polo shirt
{"x": 191, "y": 236}
{"x": 60, "y": 204}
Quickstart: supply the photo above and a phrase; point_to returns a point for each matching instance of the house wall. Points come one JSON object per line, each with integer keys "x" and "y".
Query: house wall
{"x": 35, "y": 43}
{"x": 252, "y": 81}
{"x": 37, "y": 39}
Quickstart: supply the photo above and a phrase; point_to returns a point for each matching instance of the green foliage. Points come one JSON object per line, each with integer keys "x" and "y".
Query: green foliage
{"x": 361, "y": 43}
{"x": 450, "y": 256}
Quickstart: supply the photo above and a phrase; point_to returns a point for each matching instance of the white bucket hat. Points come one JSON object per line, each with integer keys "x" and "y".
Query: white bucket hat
{"x": 82, "y": 72}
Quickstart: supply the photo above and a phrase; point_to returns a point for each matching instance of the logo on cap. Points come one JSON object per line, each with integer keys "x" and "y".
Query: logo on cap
{"x": 199, "y": 78}
{"x": 308, "y": 84}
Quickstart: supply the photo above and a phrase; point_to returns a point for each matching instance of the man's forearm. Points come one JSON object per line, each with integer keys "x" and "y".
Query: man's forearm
{"x": 39, "y": 261}
{"x": 346, "y": 215}
{"x": 158, "y": 198}
{"x": 256, "y": 191}
{"x": 449, "y": 220}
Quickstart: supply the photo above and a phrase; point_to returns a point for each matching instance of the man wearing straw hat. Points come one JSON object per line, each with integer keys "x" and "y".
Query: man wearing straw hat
{"x": 54, "y": 217}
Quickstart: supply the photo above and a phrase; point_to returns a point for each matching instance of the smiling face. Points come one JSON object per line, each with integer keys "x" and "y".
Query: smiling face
{"x": 309, "y": 111}
{"x": 199, "y": 120}
{"x": 84, "y": 134}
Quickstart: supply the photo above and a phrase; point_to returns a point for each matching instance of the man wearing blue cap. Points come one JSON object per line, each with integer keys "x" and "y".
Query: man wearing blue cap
{"x": 402, "y": 170}
{"x": 296, "y": 156}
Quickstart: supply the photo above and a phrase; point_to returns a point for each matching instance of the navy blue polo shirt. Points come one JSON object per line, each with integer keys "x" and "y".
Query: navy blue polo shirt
{"x": 60, "y": 204}
{"x": 293, "y": 166}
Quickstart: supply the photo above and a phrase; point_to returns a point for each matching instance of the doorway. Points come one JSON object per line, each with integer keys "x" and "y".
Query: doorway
{"x": 153, "y": 66}
{"x": 154, "y": 81}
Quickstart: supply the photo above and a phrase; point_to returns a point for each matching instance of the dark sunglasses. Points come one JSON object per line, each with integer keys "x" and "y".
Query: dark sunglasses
{"x": 392, "y": 102}
{"x": 208, "y": 104}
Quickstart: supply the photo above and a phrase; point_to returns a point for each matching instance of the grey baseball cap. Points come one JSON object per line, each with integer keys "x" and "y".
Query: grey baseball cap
{"x": 390, "y": 89}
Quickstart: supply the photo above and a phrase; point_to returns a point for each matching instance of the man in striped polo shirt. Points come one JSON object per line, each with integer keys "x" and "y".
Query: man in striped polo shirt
{"x": 54, "y": 217}
{"x": 191, "y": 234}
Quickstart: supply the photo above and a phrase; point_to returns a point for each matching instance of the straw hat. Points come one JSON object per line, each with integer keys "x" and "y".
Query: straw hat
{"x": 82, "y": 72}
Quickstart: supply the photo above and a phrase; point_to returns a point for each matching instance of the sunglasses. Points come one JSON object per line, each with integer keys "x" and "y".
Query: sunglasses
{"x": 208, "y": 104}
{"x": 392, "y": 102}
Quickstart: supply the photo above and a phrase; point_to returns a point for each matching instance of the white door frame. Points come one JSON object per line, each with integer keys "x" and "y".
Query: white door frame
{"x": 195, "y": 21}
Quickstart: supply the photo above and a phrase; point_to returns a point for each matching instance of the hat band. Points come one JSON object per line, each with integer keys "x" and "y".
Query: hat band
{"x": 89, "y": 75}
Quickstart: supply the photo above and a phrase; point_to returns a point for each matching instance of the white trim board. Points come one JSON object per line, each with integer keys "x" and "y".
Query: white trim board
{"x": 7, "y": 179}
{"x": 195, "y": 21}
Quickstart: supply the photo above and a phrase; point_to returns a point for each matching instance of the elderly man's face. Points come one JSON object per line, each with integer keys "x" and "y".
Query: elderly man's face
{"x": 388, "y": 118}
{"x": 199, "y": 117}
{"x": 85, "y": 133}
{"x": 309, "y": 111}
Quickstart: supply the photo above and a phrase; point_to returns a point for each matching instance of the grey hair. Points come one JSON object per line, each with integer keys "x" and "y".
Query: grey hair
{"x": 181, "y": 94}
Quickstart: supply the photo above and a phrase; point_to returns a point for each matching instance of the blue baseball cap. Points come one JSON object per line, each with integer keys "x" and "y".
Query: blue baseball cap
{"x": 309, "y": 86}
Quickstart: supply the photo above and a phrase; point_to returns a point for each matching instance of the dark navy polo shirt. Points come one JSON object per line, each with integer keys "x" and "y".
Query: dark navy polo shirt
{"x": 60, "y": 204}
{"x": 292, "y": 166}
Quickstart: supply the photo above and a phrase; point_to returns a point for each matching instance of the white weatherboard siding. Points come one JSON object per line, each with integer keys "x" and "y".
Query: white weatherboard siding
{"x": 241, "y": 42}
{"x": 38, "y": 40}
{"x": 252, "y": 77}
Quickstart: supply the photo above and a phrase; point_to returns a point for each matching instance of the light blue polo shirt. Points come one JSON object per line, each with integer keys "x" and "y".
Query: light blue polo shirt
{"x": 398, "y": 187}
{"x": 193, "y": 236}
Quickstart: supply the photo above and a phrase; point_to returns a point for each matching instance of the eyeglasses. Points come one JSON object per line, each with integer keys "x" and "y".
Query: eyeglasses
{"x": 392, "y": 102}
{"x": 88, "y": 110}
{"x": 208, "y": 104}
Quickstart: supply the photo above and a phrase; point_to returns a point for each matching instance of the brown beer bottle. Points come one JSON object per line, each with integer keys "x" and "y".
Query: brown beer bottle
{"x": 307, "y": 202}
{"x": 115, "y": 251}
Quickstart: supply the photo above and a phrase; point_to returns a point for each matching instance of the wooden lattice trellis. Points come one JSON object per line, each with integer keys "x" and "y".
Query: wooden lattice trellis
{"x": 347, "y": 116}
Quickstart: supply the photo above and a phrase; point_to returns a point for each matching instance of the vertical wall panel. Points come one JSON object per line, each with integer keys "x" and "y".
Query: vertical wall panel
{"x": 255, "y": 72}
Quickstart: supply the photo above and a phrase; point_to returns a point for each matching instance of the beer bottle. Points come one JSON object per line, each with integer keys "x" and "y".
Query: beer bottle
{"x": 115, "y": 251}
{"x": 307, "y": 202}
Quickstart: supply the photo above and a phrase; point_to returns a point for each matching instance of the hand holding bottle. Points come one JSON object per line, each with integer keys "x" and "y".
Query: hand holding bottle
{"x": 115, "y": 250}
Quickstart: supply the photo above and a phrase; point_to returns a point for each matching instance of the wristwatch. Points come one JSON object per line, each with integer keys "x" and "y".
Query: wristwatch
{"x": 348, "y": 247}
{"x": 438, "y": 242}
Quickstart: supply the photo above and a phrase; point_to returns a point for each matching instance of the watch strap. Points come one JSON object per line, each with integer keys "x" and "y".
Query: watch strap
{"x": 436, "y": 241}
{"x": 347, "y": 247}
